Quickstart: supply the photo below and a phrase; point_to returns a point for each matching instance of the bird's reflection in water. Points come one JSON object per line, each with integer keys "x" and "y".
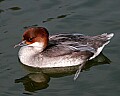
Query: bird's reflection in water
{"x": 38, "y": 78}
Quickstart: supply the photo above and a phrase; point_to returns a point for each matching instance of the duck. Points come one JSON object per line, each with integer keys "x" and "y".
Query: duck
{"x": 41, "y": 50}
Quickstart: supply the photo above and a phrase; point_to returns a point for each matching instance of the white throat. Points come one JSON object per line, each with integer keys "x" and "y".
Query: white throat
{"x": 37, "y": 46}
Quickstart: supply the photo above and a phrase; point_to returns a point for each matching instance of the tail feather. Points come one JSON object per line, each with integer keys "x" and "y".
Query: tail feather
{"x": 106, "y": 38}
{"x": 109, "y": 36}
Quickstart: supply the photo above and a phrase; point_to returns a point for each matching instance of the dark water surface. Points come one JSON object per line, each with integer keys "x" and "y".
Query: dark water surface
{"x": 90, "y": 17}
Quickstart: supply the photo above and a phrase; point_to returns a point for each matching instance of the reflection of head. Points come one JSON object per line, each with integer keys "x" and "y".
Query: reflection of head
{"x": 34, "y": 81}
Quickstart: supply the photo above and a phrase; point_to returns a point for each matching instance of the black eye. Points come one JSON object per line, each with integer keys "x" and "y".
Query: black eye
{"x": 30, "y": 39}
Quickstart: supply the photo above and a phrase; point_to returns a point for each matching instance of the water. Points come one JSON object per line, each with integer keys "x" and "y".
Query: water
{"x": 90, "y": 17}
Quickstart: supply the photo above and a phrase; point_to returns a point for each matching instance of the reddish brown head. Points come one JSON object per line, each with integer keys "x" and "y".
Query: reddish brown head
{"x": 35, "y": 34}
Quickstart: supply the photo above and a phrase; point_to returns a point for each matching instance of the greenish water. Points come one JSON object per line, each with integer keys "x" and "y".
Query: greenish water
{"x": 89, "y": 17}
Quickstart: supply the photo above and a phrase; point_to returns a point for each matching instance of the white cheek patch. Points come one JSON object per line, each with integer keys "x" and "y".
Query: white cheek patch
{"x": 36, "y": 44}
